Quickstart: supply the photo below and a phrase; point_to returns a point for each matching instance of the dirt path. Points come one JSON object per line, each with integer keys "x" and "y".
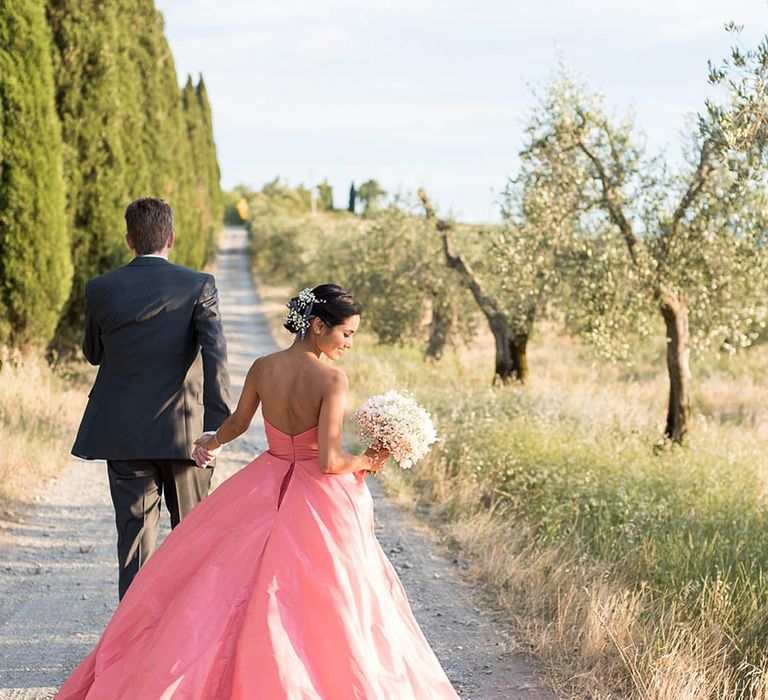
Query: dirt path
{"x": 58, "y": 577}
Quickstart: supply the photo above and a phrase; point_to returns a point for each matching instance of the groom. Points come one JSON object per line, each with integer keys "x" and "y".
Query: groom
{"x": 155, "y": 332}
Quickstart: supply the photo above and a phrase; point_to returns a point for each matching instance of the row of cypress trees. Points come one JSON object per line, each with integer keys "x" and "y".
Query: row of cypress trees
{"x": 91, "y": 117}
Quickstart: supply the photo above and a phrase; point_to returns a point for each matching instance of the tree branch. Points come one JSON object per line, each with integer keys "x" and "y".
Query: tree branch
{"x": 428, "y": 208}
{"x": 614, "y": 208}
{"x": 703, "y": 171}
{"x": 487, "y": 304}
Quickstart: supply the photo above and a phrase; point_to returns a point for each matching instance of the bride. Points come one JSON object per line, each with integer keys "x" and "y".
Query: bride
{"x": 275, "y": 586}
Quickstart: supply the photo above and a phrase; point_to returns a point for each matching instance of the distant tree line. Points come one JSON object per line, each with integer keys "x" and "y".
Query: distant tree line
{"x": 278, "y": 197}
{"x": 91, "y": 117}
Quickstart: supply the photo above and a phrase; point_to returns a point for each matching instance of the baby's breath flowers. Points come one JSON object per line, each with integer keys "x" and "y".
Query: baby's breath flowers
{"x": 397, "y": 423}
{"x": 300, "y": 310}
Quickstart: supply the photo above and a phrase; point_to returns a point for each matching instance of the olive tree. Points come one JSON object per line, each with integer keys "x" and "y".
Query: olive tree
{"x": 370, "y": 193}
{"x": 684, "y": 246}
{"x": 512, "y": 271}
{"x": 395, "y": 268}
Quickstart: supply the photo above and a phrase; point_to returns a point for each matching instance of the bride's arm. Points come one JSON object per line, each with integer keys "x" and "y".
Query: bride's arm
{"x": 238, "y": 422}
{"x": 333, "y": 459}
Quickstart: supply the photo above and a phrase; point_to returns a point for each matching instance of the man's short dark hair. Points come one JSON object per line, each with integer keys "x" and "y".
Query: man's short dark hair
{"x": 149, "y": 222}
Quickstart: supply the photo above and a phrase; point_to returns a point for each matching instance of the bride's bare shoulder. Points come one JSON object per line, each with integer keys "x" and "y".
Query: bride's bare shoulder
{"x": 281, "y": 364}
{"x": 260, "y": 364}
{"x": 334, "y": 379}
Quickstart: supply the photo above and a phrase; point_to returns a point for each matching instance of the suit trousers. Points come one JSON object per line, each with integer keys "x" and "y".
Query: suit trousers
{"x": 137, "y": 488}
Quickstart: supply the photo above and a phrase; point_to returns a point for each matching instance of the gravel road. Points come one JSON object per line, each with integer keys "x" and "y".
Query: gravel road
{"x": 58, "y": 576}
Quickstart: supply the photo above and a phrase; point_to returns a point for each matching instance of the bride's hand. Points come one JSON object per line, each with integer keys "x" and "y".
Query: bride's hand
{"x": 377, "y": 457}
{"x": 204, "y": 452}
{"x": 206, "y": 439}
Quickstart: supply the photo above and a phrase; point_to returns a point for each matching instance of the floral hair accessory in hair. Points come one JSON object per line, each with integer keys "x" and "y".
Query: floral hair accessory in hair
{"x": 300, "y": 310}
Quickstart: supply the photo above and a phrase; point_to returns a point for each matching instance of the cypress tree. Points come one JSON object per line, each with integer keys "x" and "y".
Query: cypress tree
{"x": 172, "y": 154}
{"x": 159, "y": 156}
{"x": 85, "y": 41}
{"x": 158, "y": 153}
{"x": 207, "y": 192}
{"x": 35, "y": 262}
{"x": 134, "y": 66}
{"x": 213, "y": 172}
{"x": 201, "y": 195}
{"x": 352, "y": 198}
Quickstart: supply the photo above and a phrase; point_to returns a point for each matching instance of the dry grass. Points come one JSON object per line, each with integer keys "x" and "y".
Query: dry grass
{"x": 727, "y": 391}
{"x": 589, "y": 633}
{"x": 598, "y": 628}
{"x": 40, "y": 410}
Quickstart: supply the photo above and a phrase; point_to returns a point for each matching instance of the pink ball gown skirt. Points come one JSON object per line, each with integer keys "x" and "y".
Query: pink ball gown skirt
{"x": 272, "y": 588}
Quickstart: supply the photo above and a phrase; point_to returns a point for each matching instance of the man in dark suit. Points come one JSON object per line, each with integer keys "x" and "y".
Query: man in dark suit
{"x": 155, "y": 332}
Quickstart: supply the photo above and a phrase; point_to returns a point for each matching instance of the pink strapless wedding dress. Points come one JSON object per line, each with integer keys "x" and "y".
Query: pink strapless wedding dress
{"x": 272, "y": 588}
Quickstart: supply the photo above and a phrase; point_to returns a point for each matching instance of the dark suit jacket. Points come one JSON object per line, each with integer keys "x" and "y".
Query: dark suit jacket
{"x": 155, "y": 331}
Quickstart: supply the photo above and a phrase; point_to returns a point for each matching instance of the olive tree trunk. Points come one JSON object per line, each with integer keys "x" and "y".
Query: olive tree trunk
{"x": 518, "y": 349}
{"x": 511, "y": 346}
{"x": 438, "y": 329}
{"x": 674, "y": 310}
{"x": 511, "y": 358}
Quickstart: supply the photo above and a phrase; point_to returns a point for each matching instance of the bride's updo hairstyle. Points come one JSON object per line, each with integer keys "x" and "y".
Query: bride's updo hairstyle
{"x": 328, "y": 302}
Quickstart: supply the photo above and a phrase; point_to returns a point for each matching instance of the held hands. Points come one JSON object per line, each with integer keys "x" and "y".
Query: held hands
{"x": 206, "y": 449}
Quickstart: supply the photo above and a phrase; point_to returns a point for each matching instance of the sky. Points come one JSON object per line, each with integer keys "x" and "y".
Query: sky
{"x": 434, "y": 93}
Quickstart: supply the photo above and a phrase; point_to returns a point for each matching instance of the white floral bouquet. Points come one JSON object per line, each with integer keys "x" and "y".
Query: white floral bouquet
{"x": 397, "y": 423}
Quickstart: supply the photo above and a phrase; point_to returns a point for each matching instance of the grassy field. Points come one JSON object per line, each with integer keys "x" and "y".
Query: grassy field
{"x": 631, "y": 571}
{"x": 40, "y": 410}
{"x": 635, "y": 572}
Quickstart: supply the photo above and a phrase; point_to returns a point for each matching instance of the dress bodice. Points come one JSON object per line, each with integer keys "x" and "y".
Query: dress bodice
{"x": 294, "y": 448}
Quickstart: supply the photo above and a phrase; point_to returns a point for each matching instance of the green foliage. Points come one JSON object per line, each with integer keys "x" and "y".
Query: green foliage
{"x": 393, "y": 264}
{"x": 168, "y": 147}
{"x": 235, "y": 204}
{"x": 526, "y": 263}
{"x": 158, "y": 152}
{"x": 352, "y": 198}
{"x": 128, "y": 132}
{"x": 85, "y": 61}
{"x": 390, "y": 269}
{"x": 35, "y": 258}
{"x": 370, "y": 193}
{"x": 278, "y": 249}
{"x": 210, "y": 159}
{"x": 397, "y": 270}
{"x": 279, "y": 233}
{"x": 278, "y": 199}
{"x": 206, "y": 191}
{"x": 325, "y": 196}
{"x": 638, "y": 232}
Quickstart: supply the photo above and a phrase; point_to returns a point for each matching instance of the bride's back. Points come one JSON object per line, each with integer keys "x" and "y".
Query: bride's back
{"x": 291, "y": 388}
